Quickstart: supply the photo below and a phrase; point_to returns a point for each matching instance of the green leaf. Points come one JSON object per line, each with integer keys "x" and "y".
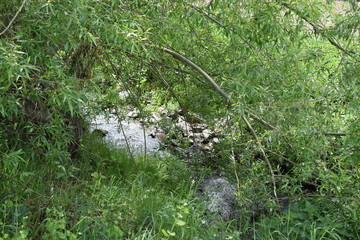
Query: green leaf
{"x": 180, "y": 222}
{"x": 164, "y": 232}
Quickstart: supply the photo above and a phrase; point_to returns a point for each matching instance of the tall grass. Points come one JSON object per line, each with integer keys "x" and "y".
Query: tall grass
{"x": 104, "y": 195}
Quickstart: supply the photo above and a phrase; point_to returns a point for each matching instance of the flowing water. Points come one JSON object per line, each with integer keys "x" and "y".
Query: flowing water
{"x": 217, "y": 192}
{"x": 133, "y": 133}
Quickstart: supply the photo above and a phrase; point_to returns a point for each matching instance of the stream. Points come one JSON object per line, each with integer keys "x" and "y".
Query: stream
{"x": 133, "y": 133}
{"x": 215, "y": 191}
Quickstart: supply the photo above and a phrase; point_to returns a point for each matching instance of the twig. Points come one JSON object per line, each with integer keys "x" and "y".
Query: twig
{"x": 264, "y": 155}
{"x": 12, "y": 20}
{"x": 251, "y": 46}
{"x": 234, "y": 162}
{"x": 125, "y": 137}
{"x": 336, "y": 134}
{"x": 281, "y": 156}
{"x": 222, "y": 25}
{"x": 116, "y": 71}
{"x": 172, "y": 92}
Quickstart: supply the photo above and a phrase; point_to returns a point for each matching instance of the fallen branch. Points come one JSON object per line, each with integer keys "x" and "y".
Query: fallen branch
{"x": 12, "y": 20}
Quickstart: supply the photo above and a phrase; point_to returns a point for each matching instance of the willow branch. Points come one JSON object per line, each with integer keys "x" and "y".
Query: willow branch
{"x": 224, "y": 95}
{"x": 216, "y": 86}
{"x": 316, "y": 28}
{"x": 13, "y": 19}
{"x": 221, "y": 25}
{"x": 263, "y": 154}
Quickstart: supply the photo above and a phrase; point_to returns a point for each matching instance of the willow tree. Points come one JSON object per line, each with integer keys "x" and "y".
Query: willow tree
{"x": 287, "y": 73}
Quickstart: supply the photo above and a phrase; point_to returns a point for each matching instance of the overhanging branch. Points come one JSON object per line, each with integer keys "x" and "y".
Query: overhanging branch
{"x": 316, "y": 28}
{"x": 227, "y": 97}
{"x": 12, "y": 20}
{"x": 216, "y": 86}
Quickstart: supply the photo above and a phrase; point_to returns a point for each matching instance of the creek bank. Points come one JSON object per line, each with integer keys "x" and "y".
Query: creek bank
{"x": 175, "y": 130}
{"x": 215, "y": 191}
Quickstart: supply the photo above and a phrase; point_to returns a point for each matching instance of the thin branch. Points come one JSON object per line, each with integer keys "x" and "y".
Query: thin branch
{"x": 172, "y": 92}
{"x": 224, "y": 95}
{"x": 215, "y": 85}
{"x": 336, "y": 134}
{"x": 316, "y": 28}
{"x": 12, "y": 20}
{"x": 132, "y": 96}
{"x": 221, "y": 25}
{"x": 263, "y": 154}
{"x": 281, "y": 156}
{"x": 252, "y": 47}
{"x": 126, "y": 139}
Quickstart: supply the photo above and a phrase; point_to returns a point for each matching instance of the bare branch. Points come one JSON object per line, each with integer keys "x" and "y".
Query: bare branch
{"x": 316, "y": 28}
{"x": 336, "y": 134}
{"x": 12, "y": 20}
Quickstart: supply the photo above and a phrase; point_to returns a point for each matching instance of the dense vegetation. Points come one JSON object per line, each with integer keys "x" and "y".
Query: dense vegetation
{"x": 285, "y": 77}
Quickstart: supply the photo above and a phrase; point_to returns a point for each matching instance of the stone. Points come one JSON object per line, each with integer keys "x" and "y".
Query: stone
{"x": 216, "y": 140}
{"x": 206, "y": 133}
{"x": 161, "y": 136}
{"x": 152, "y": 131}
{"x": 220, "y": 197}
{"x": 183, "y": 125}
{"x": 133, "y": 114}
{"x": 155, "y": 118}
{"x": 100, "y": 132}
{"x": 207, "y": 146}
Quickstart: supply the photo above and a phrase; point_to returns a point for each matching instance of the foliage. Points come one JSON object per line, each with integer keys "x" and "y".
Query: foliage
{"x": 108, "y": 199}
{"x": 294, "y": 63}
{"x": 309, "y": 219}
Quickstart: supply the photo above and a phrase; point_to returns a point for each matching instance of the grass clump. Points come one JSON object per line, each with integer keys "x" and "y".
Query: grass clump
{"x": 310, "y": 218}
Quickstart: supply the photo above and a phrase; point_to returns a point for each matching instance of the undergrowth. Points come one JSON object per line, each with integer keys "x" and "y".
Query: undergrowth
{"x": 104, "y": 194}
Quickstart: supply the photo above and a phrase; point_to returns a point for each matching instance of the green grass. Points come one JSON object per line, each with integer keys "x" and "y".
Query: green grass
{"x": 105, "y": 194}
{"x": 312, "y": 218}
